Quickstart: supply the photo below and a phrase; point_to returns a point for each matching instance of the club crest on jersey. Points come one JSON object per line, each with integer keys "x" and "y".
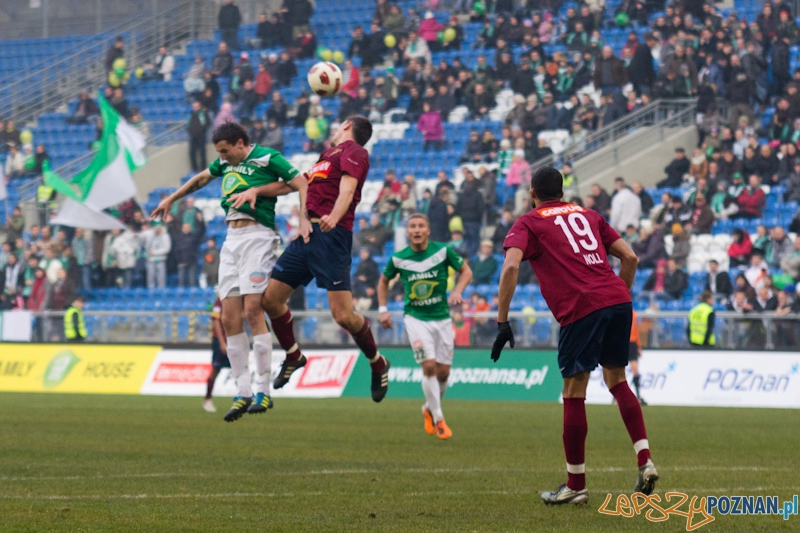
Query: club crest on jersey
{"x": 231, "y": 181}
{"x": 422, "y": 289}
{"x": 560, "y": 210}
{"x": 320, "y": 170}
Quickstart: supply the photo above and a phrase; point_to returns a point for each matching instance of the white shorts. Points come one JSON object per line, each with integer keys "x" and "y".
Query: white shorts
{"x": 246, "y": 260}
{"x": 431, "y": 339}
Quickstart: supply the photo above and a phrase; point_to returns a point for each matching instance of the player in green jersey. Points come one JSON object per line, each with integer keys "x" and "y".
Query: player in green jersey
{"x": 249, "y": 253}
{"x": 423, "y": 269}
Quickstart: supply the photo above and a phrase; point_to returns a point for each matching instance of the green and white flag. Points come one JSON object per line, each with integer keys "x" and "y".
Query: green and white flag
{"x": 108, "y": 180}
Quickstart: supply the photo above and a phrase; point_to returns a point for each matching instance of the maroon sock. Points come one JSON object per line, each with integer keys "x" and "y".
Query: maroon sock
{"x": 575, "y": 429}
{"x": 212, "y": 377}
{"x": 284, "y": 331}
{"x": 366, "y": 343}
{"x": 631, "y": 413}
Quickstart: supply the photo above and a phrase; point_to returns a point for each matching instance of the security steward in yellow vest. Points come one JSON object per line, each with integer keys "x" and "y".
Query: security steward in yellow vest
{"x": 74, "y": 325}
{"x": 701, "y": 323}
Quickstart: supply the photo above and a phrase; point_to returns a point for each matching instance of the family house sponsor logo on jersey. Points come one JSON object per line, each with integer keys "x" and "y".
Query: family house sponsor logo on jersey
{"x": 748, "y": 380}
{"x": 560, "y": 210}
{"x": 231, "y": 181}
{"x": 422, "y": 289}
{"x": 700, "y": 510}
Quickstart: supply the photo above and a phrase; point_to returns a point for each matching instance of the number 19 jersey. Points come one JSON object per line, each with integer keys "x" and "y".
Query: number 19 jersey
{"x": 567, "y": 247}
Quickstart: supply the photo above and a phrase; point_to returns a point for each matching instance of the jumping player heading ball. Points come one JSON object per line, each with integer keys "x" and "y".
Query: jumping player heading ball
{"x": 334, "y": 191}
{"x": 249, "y": 252}
{"x": 567, "y": 247}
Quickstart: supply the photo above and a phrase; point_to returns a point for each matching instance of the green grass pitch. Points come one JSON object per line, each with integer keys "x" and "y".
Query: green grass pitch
{"x": 130, "y": 463}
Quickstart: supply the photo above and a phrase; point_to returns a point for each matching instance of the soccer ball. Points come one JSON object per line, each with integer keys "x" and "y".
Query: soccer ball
{"x": 325, "y": 78}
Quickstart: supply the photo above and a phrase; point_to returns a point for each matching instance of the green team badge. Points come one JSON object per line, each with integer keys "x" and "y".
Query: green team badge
{"x": 422, "y": 289}
{"x": 231, "y": 181}
{"x": 59, "y": 368}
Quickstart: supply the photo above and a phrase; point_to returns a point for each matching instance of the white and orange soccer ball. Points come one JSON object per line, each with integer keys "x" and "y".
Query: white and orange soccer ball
{"x": 325, "y": 78}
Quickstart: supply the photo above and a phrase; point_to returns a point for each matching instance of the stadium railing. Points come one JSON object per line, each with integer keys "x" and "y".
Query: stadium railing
{"x": 640, "y": 129}
{"x": 55, "y": 83}
{"x": 659, "y": 329}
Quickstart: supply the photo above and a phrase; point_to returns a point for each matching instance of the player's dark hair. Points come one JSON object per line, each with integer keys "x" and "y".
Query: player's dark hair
{"x": 362, "y": 128}
{"x": 548, "y": 182}
{"x": 230, "y": 132}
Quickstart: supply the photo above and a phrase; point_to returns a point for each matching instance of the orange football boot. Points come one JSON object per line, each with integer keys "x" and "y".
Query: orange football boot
{"x": 442, "y": 431}
{"x": 429, "y": 427}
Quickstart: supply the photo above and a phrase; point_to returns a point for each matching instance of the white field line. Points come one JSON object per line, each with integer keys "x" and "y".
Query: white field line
{"x": 426, "y": 494}
{"x": 357, "y": 471}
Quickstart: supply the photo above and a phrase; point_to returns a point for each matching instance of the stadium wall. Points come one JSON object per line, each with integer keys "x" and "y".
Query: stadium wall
{"x": 596, "y": 169}
{"x": 668, "y": 377}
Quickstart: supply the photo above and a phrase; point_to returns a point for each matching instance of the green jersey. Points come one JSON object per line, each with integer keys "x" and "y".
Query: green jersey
{"x": 424, "y": 275}
{"x": 262, "y": 166}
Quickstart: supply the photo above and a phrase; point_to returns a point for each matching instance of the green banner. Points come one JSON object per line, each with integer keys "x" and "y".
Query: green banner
{"x": 521, "y": 375}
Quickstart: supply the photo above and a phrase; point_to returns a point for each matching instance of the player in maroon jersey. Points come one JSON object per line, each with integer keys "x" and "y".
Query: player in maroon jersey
{"x": 567, "y": 247}
{"x": 334, "y": 191}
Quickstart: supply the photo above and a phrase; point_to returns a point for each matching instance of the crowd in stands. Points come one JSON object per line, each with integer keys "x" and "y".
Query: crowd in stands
{"x": 563, "y": 77}
{"x": 43, "y": 268}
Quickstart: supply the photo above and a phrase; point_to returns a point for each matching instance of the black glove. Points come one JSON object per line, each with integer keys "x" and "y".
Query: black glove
{"x": 504, "y": 335}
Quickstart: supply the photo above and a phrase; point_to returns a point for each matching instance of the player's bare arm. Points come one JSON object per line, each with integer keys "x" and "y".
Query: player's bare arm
{"x": 465, "y": 276}
{"x": 197, "y": 182}
{"x": 249, "y": 196}
{"x": 383, "y": 296}
{"x": 300, "y": 184}
{"x": 347, "y": 188}
{"x": 508, "y": 282}
{"x": 623, "y": 252}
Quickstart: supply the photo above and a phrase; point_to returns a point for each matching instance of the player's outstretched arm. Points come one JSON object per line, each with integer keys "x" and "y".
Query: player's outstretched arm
{"x": 197, "y": 182}
{"x": 347, "y": 189}
{"x": 383, "y": 297}
{"x": 508, "y": 284}
{"x": 300, "y": 184}
{"x": 623, "y": 252}
{"x": 465, "y": 276}
{"x": 270, "y": 190}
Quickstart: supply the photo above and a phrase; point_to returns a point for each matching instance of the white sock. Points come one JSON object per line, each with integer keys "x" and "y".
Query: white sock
{"x": 430, "y": 387}
{"x": 442, "y": 388}
{"x": 238, "y": 355}
{"x": 262, "y": 349}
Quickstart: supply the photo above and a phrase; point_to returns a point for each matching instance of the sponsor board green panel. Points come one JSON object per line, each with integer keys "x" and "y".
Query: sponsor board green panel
{"x": 521, "y": 375}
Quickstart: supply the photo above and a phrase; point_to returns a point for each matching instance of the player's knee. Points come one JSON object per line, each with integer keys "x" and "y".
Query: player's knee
{"x": 443, "y": 374}
{"x": 343, "y": 317}
{"x": 613, "y": 376}
{"x": 429, "y": 368}
{"x": 231, "y": 321}
{"x": 253, "y": 314}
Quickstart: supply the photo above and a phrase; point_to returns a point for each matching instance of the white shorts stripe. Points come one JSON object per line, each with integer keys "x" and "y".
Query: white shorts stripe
{"x": 640, "y": 445}
{"x": 576, "y": 469}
